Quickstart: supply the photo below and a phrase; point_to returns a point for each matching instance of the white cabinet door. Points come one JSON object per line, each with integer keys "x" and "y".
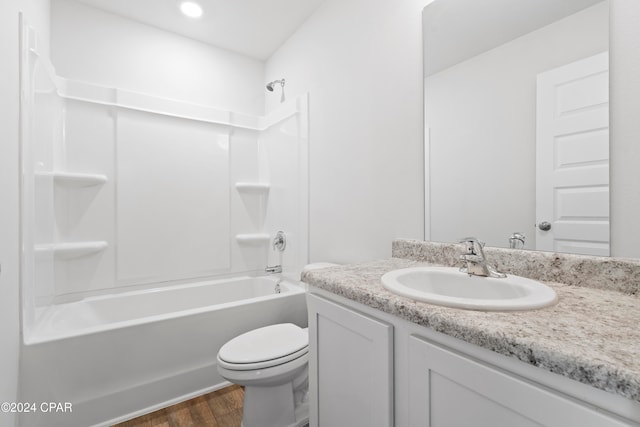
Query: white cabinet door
{"x": 350, "y": 367}
{"x": 449, "y": 390}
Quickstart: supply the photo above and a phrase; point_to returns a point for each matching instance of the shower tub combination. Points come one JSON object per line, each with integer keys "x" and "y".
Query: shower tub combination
{"x": 86, "y": 230}
{"x": 118, "y": 356}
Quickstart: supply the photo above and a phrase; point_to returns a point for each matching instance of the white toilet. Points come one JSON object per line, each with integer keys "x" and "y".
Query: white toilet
{"x": 272, "y": 364}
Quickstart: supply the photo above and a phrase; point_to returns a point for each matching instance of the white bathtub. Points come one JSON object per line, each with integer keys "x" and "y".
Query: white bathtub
{"x": 114, "y": 357}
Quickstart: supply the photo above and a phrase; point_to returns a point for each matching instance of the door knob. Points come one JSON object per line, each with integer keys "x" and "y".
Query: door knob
{"x": 544, "y": 226}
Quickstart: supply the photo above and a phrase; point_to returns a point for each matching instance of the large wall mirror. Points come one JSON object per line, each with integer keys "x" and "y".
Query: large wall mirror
{"x": 517, "y": 123}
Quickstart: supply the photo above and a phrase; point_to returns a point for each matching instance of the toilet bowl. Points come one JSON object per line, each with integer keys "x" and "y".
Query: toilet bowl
{"x": 272, "y": 365}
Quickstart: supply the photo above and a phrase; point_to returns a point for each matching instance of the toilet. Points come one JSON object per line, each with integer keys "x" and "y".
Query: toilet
{"x": 272, "y": 365}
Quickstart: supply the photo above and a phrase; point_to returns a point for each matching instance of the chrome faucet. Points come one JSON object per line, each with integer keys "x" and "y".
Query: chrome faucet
{"x": 475, "y": 260}
{"x": 516, "y": 240}
{"x": 273, "y": 269}
{"x": 279, "y": 242}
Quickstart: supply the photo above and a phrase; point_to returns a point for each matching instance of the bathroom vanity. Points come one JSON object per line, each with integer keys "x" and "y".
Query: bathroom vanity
{"x": 378, "y": 359}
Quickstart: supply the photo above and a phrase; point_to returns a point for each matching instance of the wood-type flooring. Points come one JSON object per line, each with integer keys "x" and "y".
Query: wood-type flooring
{"x": 221, "y": 408}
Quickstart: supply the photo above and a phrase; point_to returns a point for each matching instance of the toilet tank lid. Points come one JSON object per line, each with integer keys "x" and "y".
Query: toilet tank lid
{"x": 263, "y": 344}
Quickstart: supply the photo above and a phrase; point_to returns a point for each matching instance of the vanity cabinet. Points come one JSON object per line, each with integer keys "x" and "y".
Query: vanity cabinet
{"x": 447, "y": 388}
{"x": 350, "y": 367}
{"x": 368, "y": 368}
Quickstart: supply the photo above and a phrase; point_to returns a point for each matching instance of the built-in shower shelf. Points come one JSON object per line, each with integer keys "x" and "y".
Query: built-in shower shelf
{"x": 71, "y": 179}
{"x": 72, "y": 249}
{"x": 253, "y": 239}
{"x": 253, "y": 187}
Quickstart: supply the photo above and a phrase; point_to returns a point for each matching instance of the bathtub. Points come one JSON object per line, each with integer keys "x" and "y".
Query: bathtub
{"x": 119, "y": 356}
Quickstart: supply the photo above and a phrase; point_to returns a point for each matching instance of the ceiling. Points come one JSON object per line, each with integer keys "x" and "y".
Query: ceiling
{"x": 255, "y": 28}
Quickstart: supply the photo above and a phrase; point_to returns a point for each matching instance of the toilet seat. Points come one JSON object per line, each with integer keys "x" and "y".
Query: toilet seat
{"x": 264, "y": 347}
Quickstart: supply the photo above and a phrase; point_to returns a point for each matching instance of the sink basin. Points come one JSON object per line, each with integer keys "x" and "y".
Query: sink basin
{"x": 449, "y": 287}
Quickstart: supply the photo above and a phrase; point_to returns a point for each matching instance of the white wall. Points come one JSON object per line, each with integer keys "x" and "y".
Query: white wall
{"x": 9, "y": 244}
{"x": 90, "y": 45}
{"x": 625, "y": 128}
{"x": 481, "y": 114}
{"x": 360, "y": 61}
{"x": 37, "y": 13}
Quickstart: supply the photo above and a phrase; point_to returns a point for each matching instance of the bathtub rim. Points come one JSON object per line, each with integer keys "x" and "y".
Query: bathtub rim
{"x": 41, "y": 332}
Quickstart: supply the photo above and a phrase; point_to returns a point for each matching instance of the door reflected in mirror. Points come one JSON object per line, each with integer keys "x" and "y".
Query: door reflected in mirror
{"x": 517, "y": 123}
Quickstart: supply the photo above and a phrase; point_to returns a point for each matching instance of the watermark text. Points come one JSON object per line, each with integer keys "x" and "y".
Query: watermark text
{"x": 47, "y": 407}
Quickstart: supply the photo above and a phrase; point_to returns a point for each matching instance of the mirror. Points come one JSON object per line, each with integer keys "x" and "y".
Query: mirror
{"x": 516, "y": 123}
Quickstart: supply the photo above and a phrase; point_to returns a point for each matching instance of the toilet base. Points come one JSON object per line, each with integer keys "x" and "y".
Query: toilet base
{"x": 276, "y": 406}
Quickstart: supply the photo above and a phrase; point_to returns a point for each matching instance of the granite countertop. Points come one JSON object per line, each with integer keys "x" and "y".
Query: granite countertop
{"x": 591, "y": 335}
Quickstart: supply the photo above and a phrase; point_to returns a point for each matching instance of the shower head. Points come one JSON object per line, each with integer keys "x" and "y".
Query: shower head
{"x": 275, "y": 82}
{"x": 270, "y": 85}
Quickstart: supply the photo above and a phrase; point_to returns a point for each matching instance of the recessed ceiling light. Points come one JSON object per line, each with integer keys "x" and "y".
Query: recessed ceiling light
{"x": 191, "y": 9}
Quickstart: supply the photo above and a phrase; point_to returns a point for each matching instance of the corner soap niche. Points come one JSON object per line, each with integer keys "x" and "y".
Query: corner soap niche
{"x": 73, "y": 250}
{"x": 253, "y": 239}
{"x": 260, "y": 189}
{"x": 77, "y": 180}
{"x": 253, "y": 187}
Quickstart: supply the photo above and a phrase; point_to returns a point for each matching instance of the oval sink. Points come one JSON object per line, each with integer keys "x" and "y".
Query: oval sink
{"x": 449, "y": 287}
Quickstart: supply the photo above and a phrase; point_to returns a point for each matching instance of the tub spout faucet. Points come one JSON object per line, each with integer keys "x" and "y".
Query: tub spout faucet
{"x": 273, "y": 269}
{"x": 475, "y": 260}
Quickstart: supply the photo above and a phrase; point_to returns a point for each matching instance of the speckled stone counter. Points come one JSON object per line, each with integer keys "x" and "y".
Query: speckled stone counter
{"x": 591, "y": 335}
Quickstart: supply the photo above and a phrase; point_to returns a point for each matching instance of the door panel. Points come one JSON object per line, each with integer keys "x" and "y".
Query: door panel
{"x": 572, "y": 157}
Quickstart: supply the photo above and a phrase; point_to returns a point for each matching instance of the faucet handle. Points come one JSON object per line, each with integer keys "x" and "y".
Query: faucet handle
{"x": 279, "y": 242}
{"x": 471, "y": 240}
{"x": 470, "y": 245}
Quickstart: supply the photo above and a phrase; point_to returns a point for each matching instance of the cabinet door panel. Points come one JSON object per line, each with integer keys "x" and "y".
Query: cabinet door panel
{"x": 448, "y": 389}
{"x": 352, "y": 367}
{"x": 467, "y": 408}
